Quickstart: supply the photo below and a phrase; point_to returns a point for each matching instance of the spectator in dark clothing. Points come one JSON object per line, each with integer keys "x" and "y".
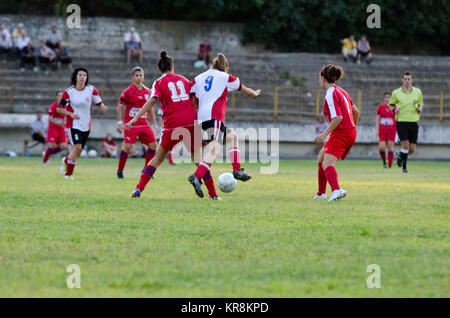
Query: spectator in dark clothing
{"x": 28, "y": 56}
{"x": 64, "y": 56}
{"x": 204, "y": 52}
{"x": 364, "y": 50}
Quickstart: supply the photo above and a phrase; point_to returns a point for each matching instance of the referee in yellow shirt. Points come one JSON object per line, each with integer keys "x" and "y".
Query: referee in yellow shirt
{"x": 409, "y": 103}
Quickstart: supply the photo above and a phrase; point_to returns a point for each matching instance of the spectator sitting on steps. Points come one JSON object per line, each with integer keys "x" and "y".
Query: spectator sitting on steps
{"x": 54, "y": 38}
{"x": 204, "y": 52}
{"x": 109, "y": 147}
{"x": 349, "y": 48}
{"x": 37, "y": 133}
{"x": 46, "y": 56}
{"x": 5, "y": 41}
{"x": 64, "y": 56}
{"x": 364, "y": 50}
{"x": 133, "y": 45}
{"x": 28, "y": 56}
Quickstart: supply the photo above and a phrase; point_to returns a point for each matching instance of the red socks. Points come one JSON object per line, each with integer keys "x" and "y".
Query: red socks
{"x": 149, "y": 155}
{"x": 332, "y": 177}
{"x": 383, "y": 156}
{"x": 209, "y": 183}
{"x": 234, "y": 156}
{"x": 50, "y": 152}
{"x": 202, "y": 169}
{"x": 70, "y": 166}
{"x": 170, "y": 157}
{"x": 322, "y": 180}
{"x": 146, "y": 175}
{"x": 123, "y": 156}
{"x": 390, "y": 158}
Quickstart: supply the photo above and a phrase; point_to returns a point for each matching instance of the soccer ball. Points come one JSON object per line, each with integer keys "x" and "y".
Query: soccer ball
{"x": 227, "y": 182}
{"x": 92, "y": 153}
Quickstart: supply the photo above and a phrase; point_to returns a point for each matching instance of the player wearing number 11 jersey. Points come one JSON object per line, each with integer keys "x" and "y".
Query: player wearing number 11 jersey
{"x": 179, "y": 118}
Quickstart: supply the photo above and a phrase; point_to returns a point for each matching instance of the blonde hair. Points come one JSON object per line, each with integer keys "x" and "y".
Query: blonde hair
{"x": 220, "y": 63}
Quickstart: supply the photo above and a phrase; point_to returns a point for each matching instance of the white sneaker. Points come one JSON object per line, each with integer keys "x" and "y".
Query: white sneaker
{"x": 322, "y": 196}
{"x": 62, "y": 170}
{"x": 68, "y": 177}
{"x": 337, "y": 195}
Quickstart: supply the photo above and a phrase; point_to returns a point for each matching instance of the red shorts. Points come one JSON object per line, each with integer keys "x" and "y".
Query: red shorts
{"x": 387, "y": 133}
{"x": 190, "y": 135}
{"x": 56, "y": 135}
{"x": 340, "y": 143}
{"x": 145, "y": 134}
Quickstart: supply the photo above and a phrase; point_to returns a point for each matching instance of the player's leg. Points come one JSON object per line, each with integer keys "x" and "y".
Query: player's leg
{"x": 329, "y": 161}
{"x": 321, "y": 177}
{"x": 208, "y": 179}
{"x": 403, "y": 156}
{"x": 151, "y": 151}
{"x": 149, "y": 171}
{"x": 51, "y": 149}
{"x": 123, "y": 157}
{"x": 390, "y": 146}
{"x": 78, "y": 140}
{"x": 382, "y": 149}
{"x": 233, "y": 151}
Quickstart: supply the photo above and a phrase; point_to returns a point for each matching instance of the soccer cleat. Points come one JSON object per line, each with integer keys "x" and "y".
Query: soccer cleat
{"x": 384, "y": 165}
{"x": 337, "y": 195}
{"x": 44, "y": 163}
{"x": 120, "y": 174}
{"x": 241, "y": 175}
{"x": 405, "y": 170}
{"x": 197, "y": 184}
{"x": 216, "y": 198}
{"x": 63, "y": 168}
{"x": 136, "y": 193}
{"x": 68, "y": 177}
{"x": 320, "y": 196}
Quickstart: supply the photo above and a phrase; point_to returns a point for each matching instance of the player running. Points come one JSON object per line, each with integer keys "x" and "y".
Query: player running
{"x": 386, "y": 129}
{"x": 132, "y": 99}
{"x": 76, "y": 103}
{"x": 171, "y": 153}
{"x": 179, "y": 117}
{"x": 56, "y": 135}
{"x": 211, "y": 88}
{"x": 343, "y": 116}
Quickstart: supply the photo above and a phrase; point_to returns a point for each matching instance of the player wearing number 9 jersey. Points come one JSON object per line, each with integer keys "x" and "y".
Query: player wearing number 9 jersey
{"x": 211, "y": 89}
{"x": 132, "y": 99}
{"x": 343, "y": 116}
{"x": 179, "y": 116}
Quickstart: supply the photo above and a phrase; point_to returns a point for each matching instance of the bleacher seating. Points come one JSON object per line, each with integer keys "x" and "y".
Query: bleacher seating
{"x": 26, "y": 92}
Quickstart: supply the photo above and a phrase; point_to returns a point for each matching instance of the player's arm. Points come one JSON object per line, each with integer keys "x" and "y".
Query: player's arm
{"x": 250, "y": 92}
{"x": 194, "y": 101}
{"x": 332, "y": 126}
{"x": 145, "y": 108}
{"x": 420, "y": 103}
{"x": 65, "y": 112}
{"x": 119, "y": 113}
{"x": 55, "y": 122}
{"x": 356, "y": 113}
{"x": 152, "y": 115}
{"x": 377, "y": 124}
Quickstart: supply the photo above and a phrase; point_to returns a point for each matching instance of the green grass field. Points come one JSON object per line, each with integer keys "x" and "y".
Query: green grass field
{"x": 266, "y": 239}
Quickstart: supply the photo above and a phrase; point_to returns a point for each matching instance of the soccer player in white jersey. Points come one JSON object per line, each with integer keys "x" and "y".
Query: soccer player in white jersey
{"x": 76, "y": 103}
{"x": 211, "y": 89}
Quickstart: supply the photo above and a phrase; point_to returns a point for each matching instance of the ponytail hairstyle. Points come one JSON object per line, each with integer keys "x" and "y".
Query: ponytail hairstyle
{"x": 165, "y": 62}
{"x": 332, "y": 73}
{"x": 220, "y": 63}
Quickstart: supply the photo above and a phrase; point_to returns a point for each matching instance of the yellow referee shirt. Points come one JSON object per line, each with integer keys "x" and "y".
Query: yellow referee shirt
{"x": 407, "y": 103}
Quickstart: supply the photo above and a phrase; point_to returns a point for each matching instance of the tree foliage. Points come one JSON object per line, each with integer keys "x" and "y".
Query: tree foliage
{"x": 285, "y": 25}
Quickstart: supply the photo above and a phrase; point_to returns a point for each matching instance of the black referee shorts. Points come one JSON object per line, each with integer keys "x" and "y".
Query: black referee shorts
{"x": 408, "y": 131}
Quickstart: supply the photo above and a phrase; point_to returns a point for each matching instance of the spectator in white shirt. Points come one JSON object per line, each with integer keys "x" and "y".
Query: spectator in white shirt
{"x": 54, "y": 38}
{"x": 21, "y": 43}
{"x": 133, "y": 45}
{"x": 5, "y": 41}
{"x": 46, "y": 56}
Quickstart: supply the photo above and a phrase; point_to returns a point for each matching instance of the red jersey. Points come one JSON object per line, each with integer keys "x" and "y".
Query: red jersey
{"x": 387, "y": 117}
{"x": 173, "y": 91}
{"x": 339, "y": 104}
{"x": 133, "y": 99}
{"x": 57, "y": 117}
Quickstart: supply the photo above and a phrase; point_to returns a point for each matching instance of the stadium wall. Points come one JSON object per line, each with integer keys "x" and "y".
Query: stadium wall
{"x": 295, "y": 138}
{"x": 101, "y": 33}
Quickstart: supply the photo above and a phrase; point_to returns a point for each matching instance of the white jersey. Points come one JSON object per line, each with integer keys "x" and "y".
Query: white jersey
{"x": 211, "y": 89}
{"x": 80, "y": 103}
